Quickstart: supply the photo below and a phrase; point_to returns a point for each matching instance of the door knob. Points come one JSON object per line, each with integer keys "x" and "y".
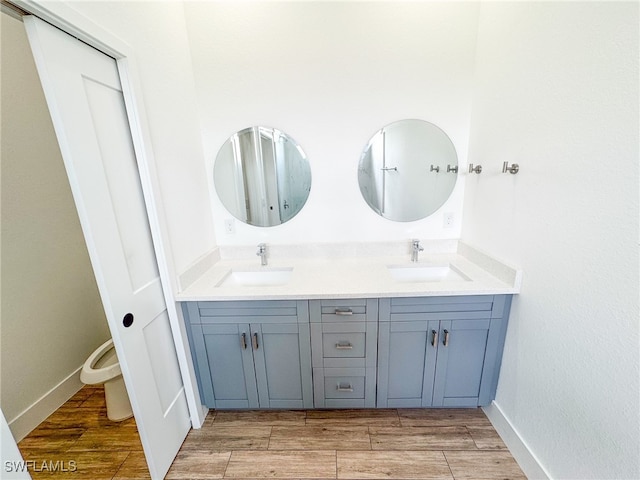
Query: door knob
{"x": 127, "y": 320}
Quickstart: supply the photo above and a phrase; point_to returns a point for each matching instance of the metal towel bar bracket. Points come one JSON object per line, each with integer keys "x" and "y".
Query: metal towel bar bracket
{"x": 477, "y": 169}
{"x": 513, "y": 169}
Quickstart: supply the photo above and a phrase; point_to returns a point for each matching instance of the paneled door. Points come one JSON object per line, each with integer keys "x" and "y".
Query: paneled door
{"x": 86, "y": 102}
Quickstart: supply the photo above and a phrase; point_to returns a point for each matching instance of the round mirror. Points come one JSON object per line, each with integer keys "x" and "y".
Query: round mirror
{"x": 262, "y": 176}
{"x": 408, "y": 170}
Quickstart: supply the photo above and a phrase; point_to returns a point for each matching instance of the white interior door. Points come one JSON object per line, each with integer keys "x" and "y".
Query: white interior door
{"x": 13, "y": 466}
{"x": 86, "y": 103}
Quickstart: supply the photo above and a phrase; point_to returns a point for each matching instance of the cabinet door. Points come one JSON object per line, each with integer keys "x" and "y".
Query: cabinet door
{"x": 406, "y": 362}
{"x": 282, "y": 358}
{"x": 460, "y": 362}
{"x": 225, "y": 365}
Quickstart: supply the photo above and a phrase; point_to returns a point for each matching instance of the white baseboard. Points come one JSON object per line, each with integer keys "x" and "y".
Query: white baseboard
{"x": 517, "y": 446}
{"x": 35, "y": 414}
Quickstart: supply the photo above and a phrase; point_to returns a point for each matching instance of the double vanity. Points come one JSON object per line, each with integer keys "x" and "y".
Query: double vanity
{"x": 349, "y": 327}
{"x": 360, "y": 325}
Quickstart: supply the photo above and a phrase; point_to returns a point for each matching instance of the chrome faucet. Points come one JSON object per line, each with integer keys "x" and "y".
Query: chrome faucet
{"x": 262, "y": 253}
{"x": 415, "y": 249}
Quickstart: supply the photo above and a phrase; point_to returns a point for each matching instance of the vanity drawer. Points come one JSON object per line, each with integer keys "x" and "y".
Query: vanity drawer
{"x": 343, "y": 387}
{"x": 344, "y": 310}
{"x": 344, "y": 345}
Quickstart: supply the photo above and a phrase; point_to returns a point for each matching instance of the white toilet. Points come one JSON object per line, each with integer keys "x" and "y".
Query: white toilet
{"x": 103, "y": 367}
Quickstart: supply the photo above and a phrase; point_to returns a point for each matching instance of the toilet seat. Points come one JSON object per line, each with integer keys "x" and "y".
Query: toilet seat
{"x": 101, "y": 366}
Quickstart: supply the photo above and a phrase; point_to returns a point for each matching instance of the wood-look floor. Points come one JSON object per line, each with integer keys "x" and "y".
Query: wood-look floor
{"x": 312, "y": 444}
{"x": 79, "y": 438}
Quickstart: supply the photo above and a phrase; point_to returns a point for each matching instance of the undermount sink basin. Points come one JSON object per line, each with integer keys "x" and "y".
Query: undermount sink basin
{"x": 262, "y": 277}
{"x": 426, "y": 273}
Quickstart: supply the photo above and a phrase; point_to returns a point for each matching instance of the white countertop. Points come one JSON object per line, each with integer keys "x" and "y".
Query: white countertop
{"x": 356, "y": 276}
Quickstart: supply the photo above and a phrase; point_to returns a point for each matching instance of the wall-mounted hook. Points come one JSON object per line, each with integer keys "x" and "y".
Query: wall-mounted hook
{"x": 386, "y": 169}
{"x": 476, "y": 169}
{"x": 435, "y": 169}
{"x": 452, "y": 169}
{"x": 513, "y": 169}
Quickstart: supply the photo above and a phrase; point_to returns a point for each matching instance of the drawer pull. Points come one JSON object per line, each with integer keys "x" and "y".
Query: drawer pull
{"x": 243, "y": 341}
{"x": 255, "y": 341}
{"x": 434, "y": 338}
{"x": 344, "y": 311}
{"x": 344, "y": 346}
{"x": 347, "y": 388}
{"x": 445, "y": 342}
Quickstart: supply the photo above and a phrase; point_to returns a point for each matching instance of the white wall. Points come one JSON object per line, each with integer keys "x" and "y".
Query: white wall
{"x": 330, "y": 74}
{"x": 557, "y": 92}
{"x": 156, "y": 32}
{"x": 52, "y": 316}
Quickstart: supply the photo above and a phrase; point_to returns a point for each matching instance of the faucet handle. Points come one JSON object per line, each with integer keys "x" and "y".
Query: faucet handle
{"x": 262, "y": 253}
{"x": 415, "y": 248}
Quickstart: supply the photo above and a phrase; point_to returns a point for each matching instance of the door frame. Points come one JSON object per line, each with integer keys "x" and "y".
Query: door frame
{"x": 69, "y": 20}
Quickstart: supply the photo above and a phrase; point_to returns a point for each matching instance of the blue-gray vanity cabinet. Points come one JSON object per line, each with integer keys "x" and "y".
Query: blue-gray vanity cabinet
{"x": 251, "y": 354}
{"x": 440, "y": 351}
{"x": 344, "y": 339}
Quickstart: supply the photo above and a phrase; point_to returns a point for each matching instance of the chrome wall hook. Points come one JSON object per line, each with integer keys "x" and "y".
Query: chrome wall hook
{"x": 435, "y": 169}
{"x": 477, "y": 169}
{"x": 452, "y": 169}
{"x": 513, "y": 169}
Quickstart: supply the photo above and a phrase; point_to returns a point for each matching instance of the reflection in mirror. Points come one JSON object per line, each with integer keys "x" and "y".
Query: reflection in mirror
{"x": 408, "y": 170}
{"x": 262, "y": 176}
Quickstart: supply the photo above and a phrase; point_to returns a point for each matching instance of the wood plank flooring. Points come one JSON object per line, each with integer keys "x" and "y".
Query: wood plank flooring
{"x": 314, "y": 444}
{"x": 78, "y": 441}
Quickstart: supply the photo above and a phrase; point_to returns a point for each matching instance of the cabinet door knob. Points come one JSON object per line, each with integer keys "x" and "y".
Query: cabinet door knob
{"x": 344, "y": 346}
{"x": 434, "y": 338}
{"x": 445, "y": 342}
{"x": 243, "y": 341}
{"x": 255, "y": 341}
